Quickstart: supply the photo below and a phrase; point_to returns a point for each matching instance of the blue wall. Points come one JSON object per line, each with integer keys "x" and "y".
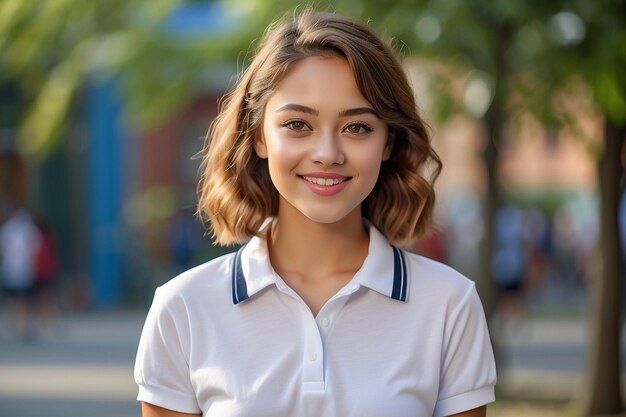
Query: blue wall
{"x": 105, "y": 192}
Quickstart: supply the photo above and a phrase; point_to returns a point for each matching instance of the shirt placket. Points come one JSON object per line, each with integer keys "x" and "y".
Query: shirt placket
{"x": 315, "y": 332}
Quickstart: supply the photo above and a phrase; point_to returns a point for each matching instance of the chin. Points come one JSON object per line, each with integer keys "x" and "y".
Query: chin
{"x": 329, "y": 217}
{"x": 324, "y": 219}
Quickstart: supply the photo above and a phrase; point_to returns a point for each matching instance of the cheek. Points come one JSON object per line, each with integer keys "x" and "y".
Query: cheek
{"x": 280, "y": 154}
{"x": 369, "y": 160}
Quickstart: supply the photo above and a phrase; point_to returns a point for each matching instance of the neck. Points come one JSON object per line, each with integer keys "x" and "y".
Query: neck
{"x": 307, "y": 248}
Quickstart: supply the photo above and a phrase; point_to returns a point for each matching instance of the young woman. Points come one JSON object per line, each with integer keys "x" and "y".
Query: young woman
{"x": 319, "y": 164}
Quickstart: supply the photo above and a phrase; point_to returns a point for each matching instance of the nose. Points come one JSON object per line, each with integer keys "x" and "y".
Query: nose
{"x": 328, "y": 150}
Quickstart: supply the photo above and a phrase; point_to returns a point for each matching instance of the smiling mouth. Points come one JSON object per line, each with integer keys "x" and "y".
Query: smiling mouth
{"x": 325, "y": 181}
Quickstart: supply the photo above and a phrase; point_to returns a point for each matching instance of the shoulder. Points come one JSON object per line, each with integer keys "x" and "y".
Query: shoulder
{"x": 435, "y": 280}
{"x": 208, "y": 281}
{"x": 188, "y": 304}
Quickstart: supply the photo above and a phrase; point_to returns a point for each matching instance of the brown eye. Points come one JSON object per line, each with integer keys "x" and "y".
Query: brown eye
{"x": 357, "y": 128}
{"x": 296, "y": 125}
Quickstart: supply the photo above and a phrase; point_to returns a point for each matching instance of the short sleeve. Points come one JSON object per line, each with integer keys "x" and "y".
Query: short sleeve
{"x": 161, "y": 367}
{"x": 468, "y": 371}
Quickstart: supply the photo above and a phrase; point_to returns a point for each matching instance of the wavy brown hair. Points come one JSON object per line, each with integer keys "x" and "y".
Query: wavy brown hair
{"x": 235, "y": 191}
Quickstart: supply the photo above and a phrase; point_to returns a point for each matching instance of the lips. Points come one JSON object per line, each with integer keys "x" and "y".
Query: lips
{"x": 325, "y": 183}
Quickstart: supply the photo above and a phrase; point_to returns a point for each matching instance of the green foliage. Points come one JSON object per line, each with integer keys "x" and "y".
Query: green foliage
{"x": 532, "y": 49}
{"x": 49, "y": 49}
{"x": 598, "y": 58}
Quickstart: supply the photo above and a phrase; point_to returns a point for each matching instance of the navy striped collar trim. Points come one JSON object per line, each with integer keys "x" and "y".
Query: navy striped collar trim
{"x": 240, "y": 289}
{"x": 400, "y": 279}
{"x": 398, "y": 290}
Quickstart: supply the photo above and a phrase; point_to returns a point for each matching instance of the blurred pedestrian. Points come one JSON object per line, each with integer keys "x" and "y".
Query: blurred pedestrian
{"x": 48, "y": 268}
{"x": 538, "y": 248}
{"x": 184, "y": 235}
{"x": 318, "y": 162}
{"x": 20, "y": 241}
{"x": 433, "y": 245}
{"x": 567, "y": 266}
{"x": 509, "y": 262}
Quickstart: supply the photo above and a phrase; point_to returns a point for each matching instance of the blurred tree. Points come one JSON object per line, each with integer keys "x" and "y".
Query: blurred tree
{"x": 585, "y": 43}
{"x": 535, "y": 53}
{"x": 49, "y": 50}
{"x": 591, "y": 41}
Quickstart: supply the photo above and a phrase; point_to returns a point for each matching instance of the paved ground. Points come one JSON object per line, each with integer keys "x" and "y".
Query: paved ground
{"x": 86, "y": 369}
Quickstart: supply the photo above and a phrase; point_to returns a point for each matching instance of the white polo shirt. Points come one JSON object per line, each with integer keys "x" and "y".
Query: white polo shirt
{"x": 405, "y": 337}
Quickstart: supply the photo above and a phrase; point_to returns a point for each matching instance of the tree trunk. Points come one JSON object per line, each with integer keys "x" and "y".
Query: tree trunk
{"x": 486, "y": 285}
{"x": 494, "y": 120}
{"x": 602, "y": 392}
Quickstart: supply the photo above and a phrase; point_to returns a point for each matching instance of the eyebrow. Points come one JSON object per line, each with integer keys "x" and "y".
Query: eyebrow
{"x": 298, "y": 107}
{"x": 358, "y": 111}
{"x": 349, "y": 112}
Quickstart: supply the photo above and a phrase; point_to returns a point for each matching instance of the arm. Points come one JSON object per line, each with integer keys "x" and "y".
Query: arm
{"x": 476, "y": 412}
{"x": 161, "y": 368}
{"x": 468, "y": 373}
{"x": 151, "y": 410}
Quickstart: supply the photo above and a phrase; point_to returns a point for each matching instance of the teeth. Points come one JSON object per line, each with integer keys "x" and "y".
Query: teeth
{"x": 325, "y": 181}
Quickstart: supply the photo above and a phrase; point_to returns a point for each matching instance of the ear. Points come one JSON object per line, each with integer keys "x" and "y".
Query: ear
{"x": 388, "y": 146}
{"x": 260, "y": 147}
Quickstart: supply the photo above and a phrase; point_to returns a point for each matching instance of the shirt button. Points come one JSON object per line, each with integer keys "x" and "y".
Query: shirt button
{"x": 312, "y": 356}
{"x": 325, "y": 322}
{"x": 302, "y": 309}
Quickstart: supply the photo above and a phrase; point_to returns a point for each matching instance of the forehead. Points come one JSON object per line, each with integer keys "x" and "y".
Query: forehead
{"x": 319, "y": 82}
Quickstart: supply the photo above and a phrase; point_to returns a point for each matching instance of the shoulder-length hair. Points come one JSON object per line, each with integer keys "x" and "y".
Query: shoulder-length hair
{"x": 236, "y": 193}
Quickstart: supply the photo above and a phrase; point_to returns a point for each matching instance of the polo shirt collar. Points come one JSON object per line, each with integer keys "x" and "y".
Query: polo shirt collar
{"x": 384, "y": 270}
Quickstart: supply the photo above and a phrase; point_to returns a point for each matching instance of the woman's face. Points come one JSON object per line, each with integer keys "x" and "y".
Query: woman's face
{"x": 323, "y": 141}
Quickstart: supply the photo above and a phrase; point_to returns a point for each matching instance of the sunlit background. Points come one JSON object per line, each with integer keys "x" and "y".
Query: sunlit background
{"x": 103, "y": 105}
